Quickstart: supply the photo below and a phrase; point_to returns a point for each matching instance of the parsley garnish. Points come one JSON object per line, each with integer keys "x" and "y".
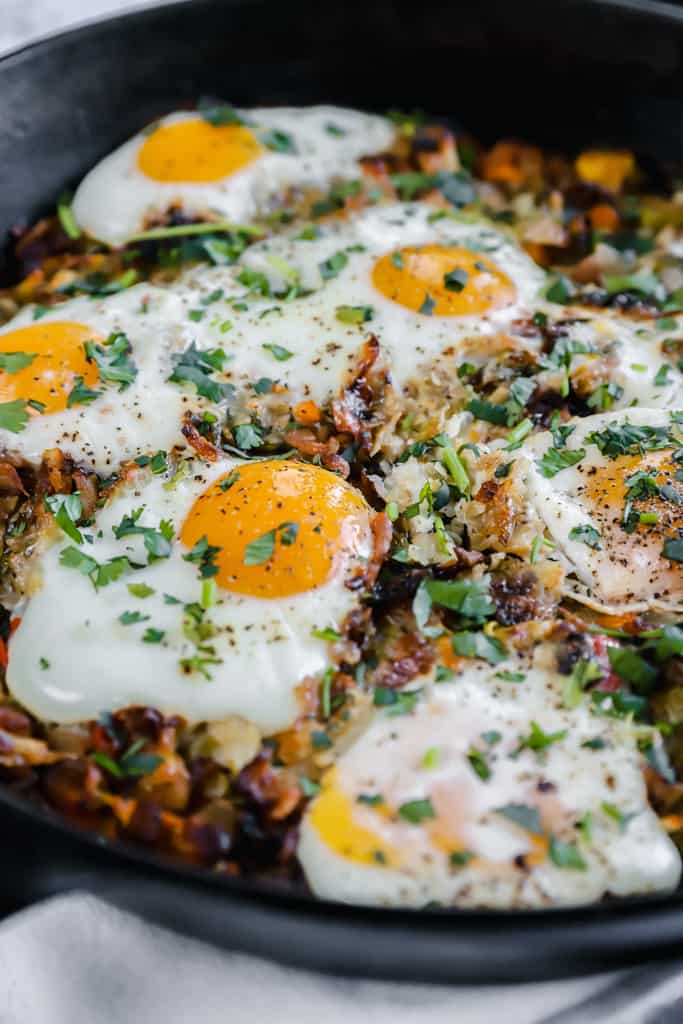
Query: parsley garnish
{"x": 566, "y": 855}
{"x": 157, "y": 542}
{"x": 524, "y": 816}
{"x": 248, "y": 436}
{"x": 586, "y": 534}
{"x": 479, "y": 645}
{"x": 112, "y": 360}
{"x": 354, "y": 314}
{"x": 673, "y": 549}
{"x": 555, "y": 460}
{"x": 80, "y": 394}
{"x": 428, "y": 305}
{"x": 280, "y": 142}
{"x": 630, "y": 439}
{"x": 417, "y": 811}
{"x": 262, "y": 548}
{"x": 455, "y": 280}
{"x": 132, "y": 764}
{"x": 479, "y": 764}
{"x": 195, "y": 367}
{"x": 538, "y": 740}
{"x": 13, "y": 362}
{"x": 99, "y": 574}
{"x": 279, "y": 353}
{"x": 67, "y": 510}
{"x": 330, "y": 268}
{"x": 204, "y": 555}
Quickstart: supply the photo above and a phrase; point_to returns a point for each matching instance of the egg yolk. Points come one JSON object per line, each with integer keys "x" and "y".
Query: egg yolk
{"x": 442, "y": 281}
{"x": 607, "y": 490}
{"x": 57, "y": 356}
{"x": 196, "y": 151}
{"x": 282, "y": 527}
{"x": 331, "y": 815}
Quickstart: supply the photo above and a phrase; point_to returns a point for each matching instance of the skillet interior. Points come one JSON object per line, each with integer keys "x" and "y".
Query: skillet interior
{"x": 604, "y": 72}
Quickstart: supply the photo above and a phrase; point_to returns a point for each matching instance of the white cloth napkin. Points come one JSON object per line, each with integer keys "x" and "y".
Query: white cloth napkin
{"x": 77, "y": 960}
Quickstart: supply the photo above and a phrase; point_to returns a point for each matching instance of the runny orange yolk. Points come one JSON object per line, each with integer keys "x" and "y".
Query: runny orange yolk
{"x": 442, "y": 280}
{"x": 296, "y": 524}
{"x": 606, "y": 488}
{"x": 58, "y": 357}
{"x": 332, "y": 816}
{"x": 196, "y": 151}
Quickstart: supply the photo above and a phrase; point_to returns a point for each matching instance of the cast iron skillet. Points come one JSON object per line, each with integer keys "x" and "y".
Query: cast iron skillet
{"x": 565, "y": 74}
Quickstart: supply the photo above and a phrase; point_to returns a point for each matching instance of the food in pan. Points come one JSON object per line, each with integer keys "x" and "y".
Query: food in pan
{"x": 341, "y": 491}
{"x": 222, "y": 160}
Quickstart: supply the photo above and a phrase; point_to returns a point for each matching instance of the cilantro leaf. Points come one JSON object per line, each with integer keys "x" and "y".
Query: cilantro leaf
{"x": 195, "y": 367}
{"x": 112, "y": 360}
{"x": 417, "y": 811}
{"x": 13, "y": 415}
{"x": 354, "y": 314}
{"x": 586, "y": 534}
{"x": 538, "y": 740}
{"x": 566, "y": 855}
{"x": 204, "y": 555}
{"x": 673, "y": 549}
{"x": 80, "y": 394}
{"x": 630, "y": 439}
{"x": 100, "y": 574}
{"x": 524, "y": 816}
{"x": 557, "y": 459}
{"x": 279, "y": 353}
{"x": 329, "y": 268}
{"x": 261, "y": 550}
{"x": 67, "y": 510}
{"x": 279, "y": 141}
{"x": 248, "y": 436}
{"x": 13, "y": 362}
{"x": 455, "y": 280}
{"x": 478, "y": 645}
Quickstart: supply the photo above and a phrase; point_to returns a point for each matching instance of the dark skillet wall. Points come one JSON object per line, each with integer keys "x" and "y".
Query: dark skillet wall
{"x": 565, "y": 73}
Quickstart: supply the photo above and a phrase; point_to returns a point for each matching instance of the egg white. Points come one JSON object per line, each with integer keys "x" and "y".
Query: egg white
{"x": 323, "y": 350}
{"x": 632, "y": 351}
{"x": 564, "y": 783}
{"x": 94, "y": 664}
{"x": 115, "y": 198}
{"x": 624, "y": 574}
{"x": 119, "y": 425}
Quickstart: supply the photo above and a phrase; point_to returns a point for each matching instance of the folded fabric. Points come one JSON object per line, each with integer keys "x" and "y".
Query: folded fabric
{"x": 77, "y": 960}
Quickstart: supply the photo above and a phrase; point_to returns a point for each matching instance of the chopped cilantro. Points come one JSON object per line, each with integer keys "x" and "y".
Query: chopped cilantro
{"x": 524, "y": 816}
{"x": 354, "y": 314}
{"x": 204, "y": 555}
{"x": 329, "y": 268}
{"x": 586, "y": 534}
{"x": 261, "y": 550}
{"x": 417, "y": 811}
{"x": 13, "y": 362}
{"x": 67, "y": 510}
{"x": 195, "y": 367}
{"x": 566, "y": 855}
{"x": 555, "y": 460}
{"x": 80, "y": 394}
{"x": 278, "y": 352}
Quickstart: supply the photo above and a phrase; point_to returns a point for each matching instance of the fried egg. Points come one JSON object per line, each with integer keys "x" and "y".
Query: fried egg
{"x": 90, "y": 377}
{"x": 611, "y": 502}
{"x": 419, "y": 281}
{"x": 199, "y": 595}
{"x": 620, "y": 361}
{"x": 224, "y": 162}
{"x": 489, "y": 793}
